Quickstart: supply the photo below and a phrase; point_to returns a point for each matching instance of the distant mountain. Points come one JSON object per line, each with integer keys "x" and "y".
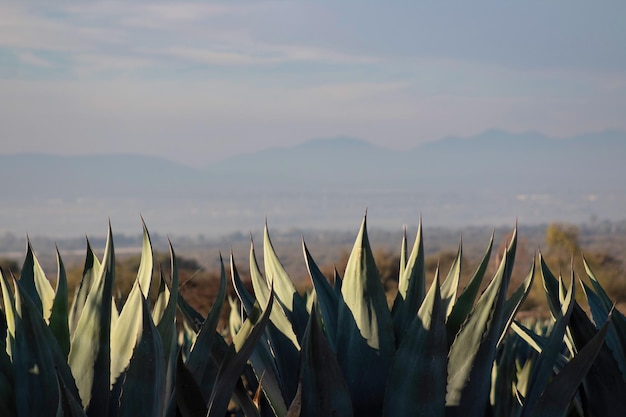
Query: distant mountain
{"x": 493, "y": 175}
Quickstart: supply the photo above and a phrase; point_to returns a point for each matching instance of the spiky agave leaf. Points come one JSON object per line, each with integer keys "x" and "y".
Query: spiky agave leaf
{"x": 365, "y": 338}
{"x": 473, "y": 351}
{"x": 59, "y": 315}
{"x": 326, "y": 298}
{"x": 91, "y": 271}
{"x": 35, "y": 283}
{"x": 90, "y": 350}
{"x": 450, "y": 285}
{"x": 267, "y": 359}
{"x": 324, "y": 391}
{"x": 236, "y": 358}
{"x": 200, "y": 351}
{"x": 143, "y": 388}
{"x": 36, "y": 360}
{"x": 292, "y": 303}
{"x": 127, "y": 329}
{"x": 411, "y": 285}
{"x": 417, "y": 380}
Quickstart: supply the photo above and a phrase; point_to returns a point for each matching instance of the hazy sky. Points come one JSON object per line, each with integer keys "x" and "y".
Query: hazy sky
{"x": 199, "y": 81}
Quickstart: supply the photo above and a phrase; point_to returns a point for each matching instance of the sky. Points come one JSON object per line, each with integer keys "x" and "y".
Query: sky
{"x": 197, "y": 82}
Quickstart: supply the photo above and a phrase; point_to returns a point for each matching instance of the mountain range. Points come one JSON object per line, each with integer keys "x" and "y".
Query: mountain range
{"x": 490, "y": 172}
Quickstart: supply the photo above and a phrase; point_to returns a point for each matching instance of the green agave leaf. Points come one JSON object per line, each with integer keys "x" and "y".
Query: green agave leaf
{"x": 261, "y": 291}
{"x": 59, "y": 314}
{"x": 143, "y": 387}
{"x": 536, "y": 342}
{"x": 234, "y": 316}
{"x": 450, "y": 285}
{"x": 236, "y": 358}
{"x": 200, "y": 352}
{"x": 91, "y": 271}
{"x": 603, "y": 384}
{"x": 324, "y": 392}
{"x": 247, "y": 299}
{"x": 417, "y": 380}
{"x": 188, "y": 396}
{"x": 7, "y": 374}
{"x": 292, "y": 303}
{"x": 558, "y": 394}
{"x": 513, "y": 304}
{"x": 601, "y": 315}
{"x": 35, "y": 283}
{"x": 36, "y": 360}
{"x": 473, "y": 351}
{"x": 276, "y": 365}
{"x": 126, "y": 332}
{"x": 90, "y": 351}
{"x": 551, "y": 287}
{"x": 411, "y": 286}
{"x": 616, "y": 337}
{"x": 543, "y": 366}
{"x": 464, "y": 304}
{"x": 146, "y": 263}
{"x": 403, "y": 258}
{"x": 326, "y": 298}
{"x": 165, "y": 315}
{"x": 10, "y": 312}
{"x": 365, "y": 337}
{"x": 69, "y": 406}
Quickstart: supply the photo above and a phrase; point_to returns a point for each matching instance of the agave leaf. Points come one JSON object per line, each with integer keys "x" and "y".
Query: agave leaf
{"x": 324, "y": 392}
{"x": 473, "y": 351}
{"x": 286, "y": 293}
{"x": 91, "y": 271}
{"x": 236, "y": 358}
{"x": 558, "y": 394}
{"x": 276, "y": 365}
{"x": 617, "y": 331}
{"x": 513, "y": 304}
{"x": 35, "y": 283}
{"x": 234, "y": 316}
{"x": 36, "y": 359}
{"x": 188, "y": 396}
{"x": 411, "y": 286}
{"x": 90, "y": 350}
{"x": 551, "y": 287}
{"x": 7, "y": 374}
{"x": 69, "y": 405}
{"x": 10, "y": 312}
{"x": 464, "y": 304}
{"x": 365, "y": 338}
{"x": 59, "y": 314}
{"x": 327, "y": 298}
{"x": 166, "y": 321}
{"x": 450, "y": 285}
{"x": 536, "y": 342}
{"x": 201, "y": 349}
{"x": 403, "y": 258}
{"x": 146, "y": 264}
{"x": 247, "y": 299}
{"x": 417, "y": 380}
{"x": 543, "y": 366}
{"x": 126, "y": 332}
{"x": 337, "y": 282}
{"x": 144, "y": 382}
{"x": 261, "y": 291}
{"x": 603, "y": 384}
{"x": 601, "y": 315}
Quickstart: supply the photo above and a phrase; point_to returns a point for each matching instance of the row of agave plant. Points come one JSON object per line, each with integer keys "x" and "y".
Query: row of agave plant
{"x": 336, "y": 351}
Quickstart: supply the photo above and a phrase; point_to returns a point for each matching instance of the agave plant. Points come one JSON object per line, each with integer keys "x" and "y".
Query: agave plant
{"x": 338, "y": 350}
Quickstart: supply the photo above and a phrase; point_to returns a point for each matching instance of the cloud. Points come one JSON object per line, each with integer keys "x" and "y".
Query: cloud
{"x": 32, "y": 59}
